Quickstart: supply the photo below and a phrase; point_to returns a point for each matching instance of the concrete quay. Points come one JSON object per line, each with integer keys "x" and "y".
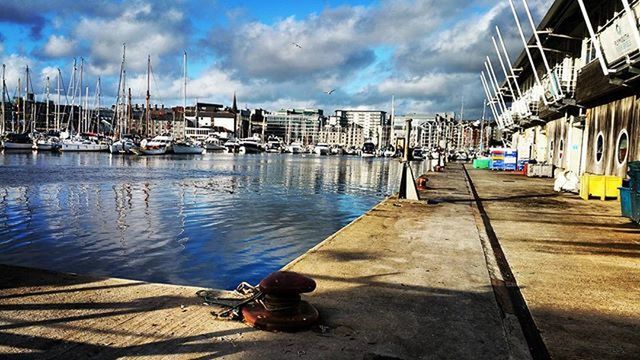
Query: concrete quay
{"x": 407, "y": 280}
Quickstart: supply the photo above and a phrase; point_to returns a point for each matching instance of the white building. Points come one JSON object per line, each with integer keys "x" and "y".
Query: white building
{"x": 369, "y": 120}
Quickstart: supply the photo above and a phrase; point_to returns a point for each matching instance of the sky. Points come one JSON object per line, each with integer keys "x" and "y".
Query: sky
{"x": 272, "y": 54}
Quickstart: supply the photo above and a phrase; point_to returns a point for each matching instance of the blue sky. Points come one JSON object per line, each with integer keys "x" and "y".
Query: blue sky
{"x": 427, "y": 53}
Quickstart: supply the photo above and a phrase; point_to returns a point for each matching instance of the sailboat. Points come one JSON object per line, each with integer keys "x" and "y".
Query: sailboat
{"x": 86, "y": 141}
{"x": 187, "y": 145}
{"x": 122, "y": 144}
{"x": 20, "y": 141}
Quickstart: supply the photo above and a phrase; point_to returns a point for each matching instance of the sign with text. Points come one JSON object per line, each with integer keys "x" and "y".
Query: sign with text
{"x": 617, "y": 39}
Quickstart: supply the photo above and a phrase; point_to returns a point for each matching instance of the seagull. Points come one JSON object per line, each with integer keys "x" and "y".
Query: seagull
{"x": 330, "y": 91}
{"x": 296, "y": 44}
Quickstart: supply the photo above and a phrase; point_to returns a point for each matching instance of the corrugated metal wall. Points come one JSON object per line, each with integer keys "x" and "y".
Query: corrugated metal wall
{"x": 609, "y": 120}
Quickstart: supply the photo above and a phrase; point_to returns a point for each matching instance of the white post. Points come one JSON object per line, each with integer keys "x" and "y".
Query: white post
{"x": 594, "y": 39}
{"x": 557, "y": 91}
{"x": 506, "y": 56}
{"x": 496, "y": 88}
{"x": 526, "y": 48}
{"x": 504, "y": 69}
{"x": 490, "y": 99}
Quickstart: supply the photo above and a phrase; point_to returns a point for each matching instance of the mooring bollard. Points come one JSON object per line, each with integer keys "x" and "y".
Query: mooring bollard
{"x": 281, "y": 309}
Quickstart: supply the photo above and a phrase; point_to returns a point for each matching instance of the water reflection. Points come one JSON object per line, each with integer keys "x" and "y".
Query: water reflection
{"x": 211, "y": 220}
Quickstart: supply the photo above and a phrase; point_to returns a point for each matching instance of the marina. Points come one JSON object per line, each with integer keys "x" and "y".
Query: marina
{"x": 370, "y": 180}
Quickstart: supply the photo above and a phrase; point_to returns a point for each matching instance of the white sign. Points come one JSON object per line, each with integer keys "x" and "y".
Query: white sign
{"x": 617, "y": 40}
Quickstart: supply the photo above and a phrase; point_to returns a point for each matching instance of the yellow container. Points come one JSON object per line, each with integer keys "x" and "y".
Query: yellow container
{"x": 601, "y": 186}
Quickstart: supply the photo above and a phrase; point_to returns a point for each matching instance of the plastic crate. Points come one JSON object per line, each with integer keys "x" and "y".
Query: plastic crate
{"x": 600, "y": 186}
{"x": 625, "y": 202}
{"x": 481, "y": 163}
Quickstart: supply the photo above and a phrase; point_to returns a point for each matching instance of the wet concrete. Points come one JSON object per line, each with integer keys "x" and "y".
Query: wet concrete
{"x": 407, "y": 280}
{"x": 577, "y": 264}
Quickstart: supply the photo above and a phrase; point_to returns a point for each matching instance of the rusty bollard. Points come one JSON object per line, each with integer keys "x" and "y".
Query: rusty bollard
{"x": 281, "y": 309}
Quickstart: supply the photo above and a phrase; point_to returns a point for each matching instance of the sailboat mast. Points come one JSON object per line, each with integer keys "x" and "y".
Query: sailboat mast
{"x": 24, "y": 103}
{"x": 13, "y": 128}
{"x": 57, "y": 121}
{"x": 86, "y": 110}
{"x": 129, "y": 111}
{"x": 82, "y": 109}
{"x": 72, "y": 85}
{"x": 99, "y": 94}
{"x": 147, "y": 109}
{"x": 4, "y": 87}
{"x": 47, "y": 115}
{"x": 184, "y": 112}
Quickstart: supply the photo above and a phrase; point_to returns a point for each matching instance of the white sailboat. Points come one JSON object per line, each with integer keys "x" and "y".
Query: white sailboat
{"x": 186, "y": 146}
{"x": 159, "y": 145}
{"x": 86, "y": 141}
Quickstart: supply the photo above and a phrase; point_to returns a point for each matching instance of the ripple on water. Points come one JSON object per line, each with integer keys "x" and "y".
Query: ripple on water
{"x": 211, "y": 220}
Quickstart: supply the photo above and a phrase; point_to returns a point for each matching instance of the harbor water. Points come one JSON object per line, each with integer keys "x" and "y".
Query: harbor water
{"x": 210, "y": 220}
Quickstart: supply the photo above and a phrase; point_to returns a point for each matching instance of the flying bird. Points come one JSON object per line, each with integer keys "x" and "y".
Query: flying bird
{"x": 330, "y": 91}
{"x": 296, "y": 44}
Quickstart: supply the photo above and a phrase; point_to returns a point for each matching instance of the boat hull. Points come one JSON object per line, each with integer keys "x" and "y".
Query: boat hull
{"x": 215, "y": 148}
{"x": 84, "y": 147}
{"x": 44, "y": 147}
{"x": 182, "y": 149}
{"x": 158, "y": 151}
{"x": 17, "y": 146}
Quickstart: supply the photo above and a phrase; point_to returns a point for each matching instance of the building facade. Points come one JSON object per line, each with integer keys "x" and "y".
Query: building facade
{"x": 576, "y": 108}
{"x": 294, "y": 125}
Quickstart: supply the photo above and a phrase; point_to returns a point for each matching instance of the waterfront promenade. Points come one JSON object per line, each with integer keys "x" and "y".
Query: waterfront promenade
{"x": 406, "y": 280}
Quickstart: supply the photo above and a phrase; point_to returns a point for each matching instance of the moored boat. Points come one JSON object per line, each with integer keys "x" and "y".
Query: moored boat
{"x": 321, "y": 149}
{"x": 159, "y": 145}
{"x": 188, "y": 147}
{"x": 368, "y": 150}
{"x": 18, "y": 142}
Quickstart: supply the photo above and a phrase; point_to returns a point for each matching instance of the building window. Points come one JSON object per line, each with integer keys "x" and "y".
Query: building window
{"x": 551, "y": 150}
{"x": 561, "y": 149}
{"x": 599, "y": 147}
{"x": 622, "y": 147}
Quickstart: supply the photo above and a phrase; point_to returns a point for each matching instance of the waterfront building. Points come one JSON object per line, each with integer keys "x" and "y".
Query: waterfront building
{"x": 374, "y": 123}
{"x": 574, "y": 103}
{"x": 291, "y": 125}
{"x": 350, "y": 136}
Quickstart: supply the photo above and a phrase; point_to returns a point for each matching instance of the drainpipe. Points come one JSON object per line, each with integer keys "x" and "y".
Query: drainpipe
{"x": 594, "y": 39}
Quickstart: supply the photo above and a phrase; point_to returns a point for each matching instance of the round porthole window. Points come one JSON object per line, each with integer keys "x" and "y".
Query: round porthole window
{"x": 622, "y": 147}
{"x": 561, "y": 149}
{"x": 599, "y": 147}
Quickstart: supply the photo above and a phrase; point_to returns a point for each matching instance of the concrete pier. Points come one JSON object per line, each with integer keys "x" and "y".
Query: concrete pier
{"x": 407, "y": 280}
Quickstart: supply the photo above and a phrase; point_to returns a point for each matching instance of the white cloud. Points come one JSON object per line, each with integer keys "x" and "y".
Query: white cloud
{"x": 16, "y": 68}
{"x": 143, "y": 30}
{"x": 59, "y": 46}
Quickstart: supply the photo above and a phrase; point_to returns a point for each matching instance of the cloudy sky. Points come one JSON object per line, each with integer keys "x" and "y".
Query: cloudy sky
{"x": 428, "y": 53}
